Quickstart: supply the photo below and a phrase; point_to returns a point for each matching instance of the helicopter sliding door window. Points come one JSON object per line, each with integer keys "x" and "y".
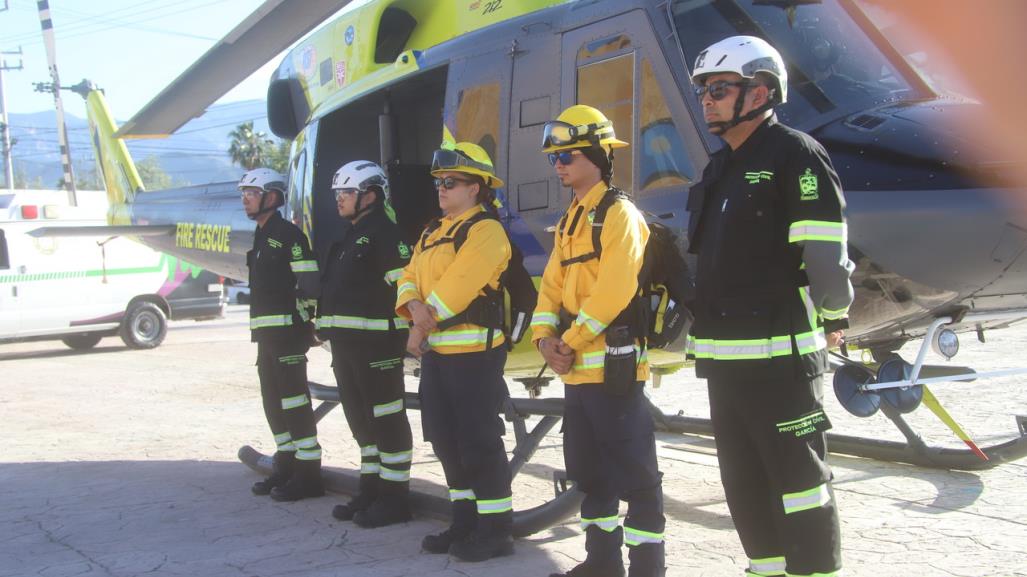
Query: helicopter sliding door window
{"x": 609, "y": 85}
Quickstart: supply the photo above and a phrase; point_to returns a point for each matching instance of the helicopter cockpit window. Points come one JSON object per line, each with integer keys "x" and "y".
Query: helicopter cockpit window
{"x": 833, "y": 65}
{"x": 609, "y": 85}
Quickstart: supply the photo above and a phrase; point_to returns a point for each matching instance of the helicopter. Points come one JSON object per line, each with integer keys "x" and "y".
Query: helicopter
{"x": 938, "y": 250}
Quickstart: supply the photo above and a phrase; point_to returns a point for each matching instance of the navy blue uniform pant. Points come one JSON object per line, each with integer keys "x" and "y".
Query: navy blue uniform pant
{"x": 282, "y": 369}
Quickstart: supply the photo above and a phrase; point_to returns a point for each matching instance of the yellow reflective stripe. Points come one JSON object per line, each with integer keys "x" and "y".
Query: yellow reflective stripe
{"x": 348, "y": 322}
{"x": 461, "y": 495}
{"x": 293, "y": 402}
{"x": 834, "y": 314}
{"x": 308, "y": 454}
{"x": 608, "y": 524}
{"x": 754, "y": 349}
{"x": 633, "y": 537}
{"x": 804, "y": 500}
{"x": 408, "y": 287}
{"x": 458, "y": 338}
{"x": 818, "y": 230}
{"x": 492, "y": 506}
{"x": 369, "y": 451}
{"x": 303, "y": 266}
{"x": 307, "y": 443}
{"x": 394, "y": 275}
{"x": 388, "y": 408}
{"x": 593, "y": 360}
{"x": 283, "y": 442}
{"x": 549, "y": 319}
{"x": 370, "y": 468}
{"x": 767, "y": 567}
{"x": 394, "y": 475}
{"x": 590, "y": 322}
{"x": 440, "y": 307}
{"x": 395, "y": 458}
{"x": 811, "y": 308}
{"x": 270, "y": 321}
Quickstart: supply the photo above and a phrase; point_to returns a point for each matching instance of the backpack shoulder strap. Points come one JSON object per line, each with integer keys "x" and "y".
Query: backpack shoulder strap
{"x": 460, "y": 237}
{"x": 612, "y": 195}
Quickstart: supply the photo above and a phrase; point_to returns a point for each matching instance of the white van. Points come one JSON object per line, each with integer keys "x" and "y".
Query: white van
{"x": 80, "y": 289}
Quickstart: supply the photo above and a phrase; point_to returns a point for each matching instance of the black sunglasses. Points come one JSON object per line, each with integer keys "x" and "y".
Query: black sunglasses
{"x": 717, "y": 89}
{"x": 565, "y": 157}
{"x": 449, "y": 183}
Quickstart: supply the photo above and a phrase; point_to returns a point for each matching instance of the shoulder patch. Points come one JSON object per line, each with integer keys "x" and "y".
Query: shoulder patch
{"x": 404, "y": 250}
{"x": 297, "y": 251}
{"x": 363, "y": 240}
{"x": 808, "y": 186}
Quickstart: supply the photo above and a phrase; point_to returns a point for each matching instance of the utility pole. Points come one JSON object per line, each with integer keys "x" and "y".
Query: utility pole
{"x": 5, "y": 127}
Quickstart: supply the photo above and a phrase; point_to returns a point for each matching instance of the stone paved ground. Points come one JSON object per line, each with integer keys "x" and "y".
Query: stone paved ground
{"x": 122, "y": 463}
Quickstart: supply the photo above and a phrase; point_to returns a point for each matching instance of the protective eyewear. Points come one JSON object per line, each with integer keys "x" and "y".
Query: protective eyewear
{"x": 339, "y": 192}
{"x": 565, "y": 157}
{"x": 557, "y": 133}
{"x": 250, "y": 193}
{"x": 445, "y": 159}
{"x": 717, "y": 89}
{"x": 450, "y": 182}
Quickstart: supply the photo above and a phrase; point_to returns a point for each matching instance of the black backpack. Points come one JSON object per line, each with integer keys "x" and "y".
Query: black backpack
{"x": 489, "y": 310}
{"x": 658, "y": 314}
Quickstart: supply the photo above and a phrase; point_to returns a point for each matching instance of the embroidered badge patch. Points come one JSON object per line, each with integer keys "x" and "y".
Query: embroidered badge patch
{"x": 274, "y": 243}
{"x": 404, "y": 250}
{"x": 808, "y": 186}
{"x": 297, "y": 251}
{"x": 363, "y": 240}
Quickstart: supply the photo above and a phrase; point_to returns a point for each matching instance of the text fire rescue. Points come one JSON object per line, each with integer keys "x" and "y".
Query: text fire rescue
{"x": 208, "y": 237}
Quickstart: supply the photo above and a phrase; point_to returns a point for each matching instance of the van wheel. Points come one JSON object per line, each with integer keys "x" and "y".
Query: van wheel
{"x": 144, "y": 326}
{"x": 82, "y": 342}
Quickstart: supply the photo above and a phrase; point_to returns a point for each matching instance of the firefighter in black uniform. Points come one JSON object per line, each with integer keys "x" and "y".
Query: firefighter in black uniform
{"x": 284, "y": 285}
{"x": 368, "y": 342}
{"x": 773, "y": 293}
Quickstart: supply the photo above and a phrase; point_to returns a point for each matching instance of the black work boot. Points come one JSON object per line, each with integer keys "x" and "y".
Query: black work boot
{"x": 465, "y": 519}
{"x": 281, "y": 470}
{"x": 646, "y": 560}
{"x": 305, "y": 482}
{"x": 386, "y": 510}
{"x": 603, "y": 555}
{"x": 492, "y": 538}
{"x": 366, "y": 495}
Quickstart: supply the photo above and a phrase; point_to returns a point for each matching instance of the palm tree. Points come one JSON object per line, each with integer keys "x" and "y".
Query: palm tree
{"x": 248, "y": 149}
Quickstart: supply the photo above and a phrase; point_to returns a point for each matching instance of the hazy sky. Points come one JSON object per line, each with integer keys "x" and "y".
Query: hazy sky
{"x": 130, "y": 48}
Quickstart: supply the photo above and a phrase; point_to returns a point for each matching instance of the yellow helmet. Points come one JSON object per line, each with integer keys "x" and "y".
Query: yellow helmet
{"x": 580, "y": 126}
{"x": 468, "y": 158}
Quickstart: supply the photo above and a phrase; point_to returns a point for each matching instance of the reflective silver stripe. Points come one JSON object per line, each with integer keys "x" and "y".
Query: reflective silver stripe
{"x": 303, "y": 266}
{"x": 548, "y": 319}
{"x": 369, "y": 468}
{"x": 608, "y": 524}
{"x": 767, "y": 567}
{"x": 810, "y": 499}
{"x": 369, "y": 451}
{"x": 282, "y": 438}
{"x": 593, "y": 360}
{"x": 461, "y": 495}
{"x": 308, "y": 454}
{"x": 742, "y": 349}
{"x": 818, "y": 230}
{"x": 394, "y": 475}
{"x": 388, "y": 408}
{"x": 620, "y": 350}
{"x": 634, "y": 537}
{"x": 833, "y": 315}
{"x": 811, "y": 309}
{"x": 457, "y": 338}
{"x": 270, "y": 321}
{"x": 293, "y": 402}
{"x": 401, "y": 323}
{"x": 394, "y": 458}
{"x": 490, "y": 506}
{"x": 394, "y": 275}
{"x": 593, "y": 325}
{"x": 440, "y": 307}
{"x": 408, "y": 287}
{"x": 307, "y": 443}
{"x": 811, "y": 342}
{"x": 348, "y": 322}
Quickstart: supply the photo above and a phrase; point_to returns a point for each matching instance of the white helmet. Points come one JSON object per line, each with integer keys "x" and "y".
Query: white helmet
{"x": 361, "y": 174}
{"x": 744, "y": 55}
{"x": 265, "y": 179}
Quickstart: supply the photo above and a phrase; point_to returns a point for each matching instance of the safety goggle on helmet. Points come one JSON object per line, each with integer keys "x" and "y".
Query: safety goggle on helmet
{"x": 578, "y": 127}
{"x": 467, "y": 158}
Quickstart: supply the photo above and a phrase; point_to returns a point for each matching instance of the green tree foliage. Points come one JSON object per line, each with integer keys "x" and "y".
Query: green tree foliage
{"x": 249, "y": 149}
{"x": 154, "y": 177}
{"x": 278, "y": 157}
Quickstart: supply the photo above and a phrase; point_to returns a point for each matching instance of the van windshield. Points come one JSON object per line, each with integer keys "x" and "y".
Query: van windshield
{"x": 838, "y": 63}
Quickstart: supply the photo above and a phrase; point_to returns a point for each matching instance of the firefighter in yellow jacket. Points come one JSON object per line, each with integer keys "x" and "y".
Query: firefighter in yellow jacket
{"x": 609, "y": 445}
{"x": 450, "y": 290}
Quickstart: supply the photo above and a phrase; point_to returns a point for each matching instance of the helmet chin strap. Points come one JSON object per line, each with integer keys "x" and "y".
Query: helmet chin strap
{"x": 359, "y": 212}
{"x": 723, "y": 126}
{"x": 263, "y": 209}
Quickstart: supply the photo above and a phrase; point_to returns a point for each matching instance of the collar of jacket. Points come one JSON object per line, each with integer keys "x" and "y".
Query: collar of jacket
{"x": 448, "y": 221}
{"x": 592, "y": 198}
{"x": 755, "y": 139}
